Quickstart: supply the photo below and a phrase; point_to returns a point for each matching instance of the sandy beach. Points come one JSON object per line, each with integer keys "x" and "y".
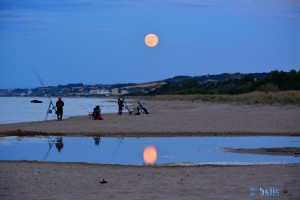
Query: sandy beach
{"x": 283, "y": 151}
{"x": 37, "y": 180}
{"x": 174, "y": 118}
{"x": 51, "y": 180}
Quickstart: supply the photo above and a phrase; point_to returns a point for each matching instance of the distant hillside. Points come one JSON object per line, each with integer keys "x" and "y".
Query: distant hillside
{"x": 213, "y": 77}
{"x": 231, "y": 83}
{"x": 225, "y": 83}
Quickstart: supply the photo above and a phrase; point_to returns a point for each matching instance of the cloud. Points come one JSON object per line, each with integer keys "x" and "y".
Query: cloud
{"x": 283, "y": 8}
{"x": 59, "y": 5}
{"x": 73, "y": 5}
{"x": 34, "y": 10}
{"x": 99, "y": 29}
{"x": 19, "y": 9}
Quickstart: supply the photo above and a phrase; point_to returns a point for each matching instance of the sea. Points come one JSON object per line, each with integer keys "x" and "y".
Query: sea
{"x": 20, "y": 109}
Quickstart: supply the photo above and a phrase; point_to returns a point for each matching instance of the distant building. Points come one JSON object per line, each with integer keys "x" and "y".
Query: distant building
{"x": 115, "y": 91}
{"x": 79, "y": 89}
{"x": 100, "y": 92}
{"x": 124, "y": 92}
{"x": 105, "y": 92}
{"x": 95, "y": 92}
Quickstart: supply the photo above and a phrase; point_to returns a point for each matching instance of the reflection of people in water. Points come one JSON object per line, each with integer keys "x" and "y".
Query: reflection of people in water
{"x": 59, "y": 143}
{"x": 97, "y": 141}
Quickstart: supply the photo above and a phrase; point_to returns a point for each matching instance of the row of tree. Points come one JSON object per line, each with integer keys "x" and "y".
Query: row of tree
{"x": 273, "y": 81}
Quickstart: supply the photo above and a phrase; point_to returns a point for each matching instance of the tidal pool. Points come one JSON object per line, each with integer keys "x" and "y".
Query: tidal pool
{"x": 145, "y": 150}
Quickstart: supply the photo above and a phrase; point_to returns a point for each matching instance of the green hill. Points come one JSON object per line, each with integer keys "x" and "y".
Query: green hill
{"x": 231, "y": 83}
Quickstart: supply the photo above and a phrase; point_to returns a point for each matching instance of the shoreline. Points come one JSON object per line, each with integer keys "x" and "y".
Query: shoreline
{"x": 21, "y": 133}
{"x": 166, "y": 165}
{"x": 282, "y": 151}
{"x": 173, "y": 118}
{"x": 55, "y": 180}
{"x": 33, "y": 112}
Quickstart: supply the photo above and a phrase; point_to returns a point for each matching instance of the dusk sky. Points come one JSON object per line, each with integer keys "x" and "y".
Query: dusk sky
{"x": 102, "y": 41}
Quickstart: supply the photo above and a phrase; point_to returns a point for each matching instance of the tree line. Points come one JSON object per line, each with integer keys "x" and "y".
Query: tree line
{"x": 272, "y": 81}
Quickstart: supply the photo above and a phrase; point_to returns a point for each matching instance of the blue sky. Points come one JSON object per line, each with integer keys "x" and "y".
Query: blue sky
{"x": 102, "y": 41}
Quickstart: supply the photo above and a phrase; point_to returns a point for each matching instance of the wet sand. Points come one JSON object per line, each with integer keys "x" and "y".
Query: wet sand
{"x": 283, "y": 151}
{"x": 37, "y": 180}
{"x": 174, "y": 118}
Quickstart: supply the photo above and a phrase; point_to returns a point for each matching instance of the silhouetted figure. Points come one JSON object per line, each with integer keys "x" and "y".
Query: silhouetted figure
{"x": 97, "y": 141}
{"x": 96, "y": 112}
{"x": 121, "y": 105}
{"x": 59, "y": 143}
{"x": 59, "y": 112}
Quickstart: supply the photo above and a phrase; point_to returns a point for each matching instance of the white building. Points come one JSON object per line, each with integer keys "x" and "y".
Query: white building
{"x": 93, "y": 92}
{"x": 124, "y": 92}
{"x": 105, "y": 92}
{"x": 99, "y": 92}
{"x": 29, "y": 92}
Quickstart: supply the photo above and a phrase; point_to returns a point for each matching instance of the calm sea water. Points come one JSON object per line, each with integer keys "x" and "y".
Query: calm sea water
{"x": 20, "y": 109}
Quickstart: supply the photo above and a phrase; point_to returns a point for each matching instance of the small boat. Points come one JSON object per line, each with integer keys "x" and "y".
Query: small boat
{"x": 36, "y": 101}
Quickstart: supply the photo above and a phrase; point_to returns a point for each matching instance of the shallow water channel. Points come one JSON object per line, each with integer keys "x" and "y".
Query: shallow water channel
{"x": 145, "y": 150}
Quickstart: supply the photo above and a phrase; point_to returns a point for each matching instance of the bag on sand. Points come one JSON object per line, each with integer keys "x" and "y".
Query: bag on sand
{"x": 100, "y": 117}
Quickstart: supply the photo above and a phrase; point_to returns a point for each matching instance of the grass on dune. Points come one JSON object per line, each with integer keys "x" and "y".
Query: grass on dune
{"x": 280, "y": 97}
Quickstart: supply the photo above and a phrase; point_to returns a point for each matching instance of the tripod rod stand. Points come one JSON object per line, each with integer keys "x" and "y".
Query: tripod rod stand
{"x": 49, "y": 108}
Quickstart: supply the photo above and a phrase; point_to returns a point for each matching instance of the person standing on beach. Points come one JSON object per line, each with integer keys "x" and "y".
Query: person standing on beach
{"x": 59, "y": 105}
{"x": 121, "y": 105}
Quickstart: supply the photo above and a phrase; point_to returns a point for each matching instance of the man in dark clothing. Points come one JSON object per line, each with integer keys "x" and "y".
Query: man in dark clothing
{"x": 121, "y": 105}
{"x": 96, "y": 112}
{"x": 59, "y": 106}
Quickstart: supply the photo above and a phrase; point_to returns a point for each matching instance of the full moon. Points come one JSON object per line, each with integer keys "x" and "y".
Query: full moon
{"x": 151, "y": 40}
{"x": 150, "y": 155}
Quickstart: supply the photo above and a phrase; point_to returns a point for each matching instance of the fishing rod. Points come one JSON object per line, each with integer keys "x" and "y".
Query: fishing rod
{"x": 50, "y": 142}
{"x": 45, "y": 91}
{"x": 42, "y": 84}
{"x": 118, "y": 147}
{"x": 126, "y": 106}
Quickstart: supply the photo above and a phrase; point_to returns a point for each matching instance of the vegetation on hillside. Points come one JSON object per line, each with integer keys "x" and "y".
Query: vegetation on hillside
{"x": 270, "y": 82}
{"x": 279, "y": 97}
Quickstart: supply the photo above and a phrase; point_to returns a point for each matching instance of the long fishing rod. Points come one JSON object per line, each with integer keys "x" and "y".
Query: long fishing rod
{"x": 42, "y": 84}
{"x": 50, "y": 142}
{"x": 126, "y": 106}
{"x": 45, "y": 91}
{"x": 118, "y": 147}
